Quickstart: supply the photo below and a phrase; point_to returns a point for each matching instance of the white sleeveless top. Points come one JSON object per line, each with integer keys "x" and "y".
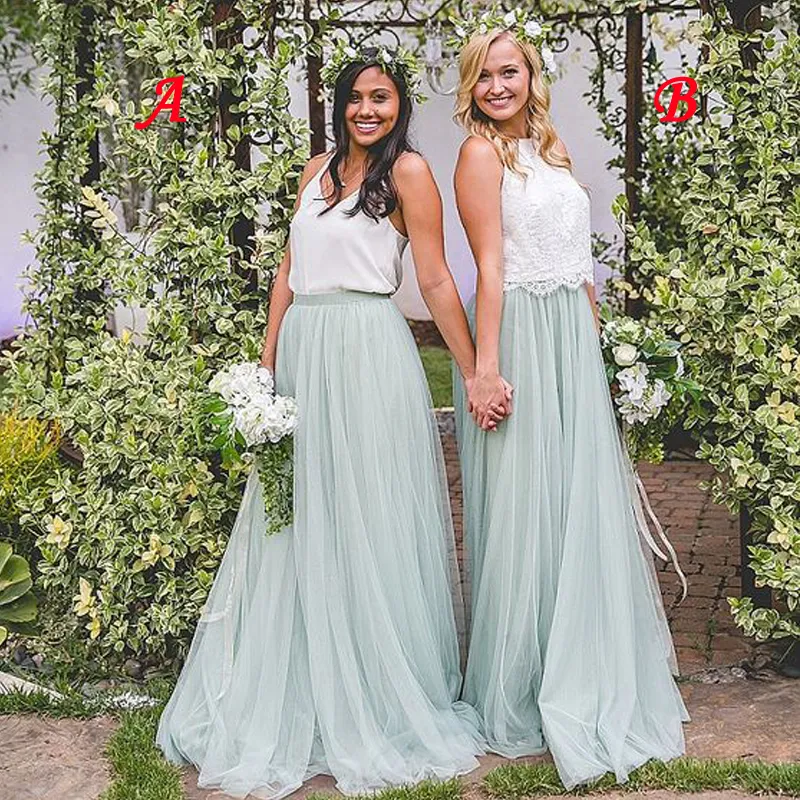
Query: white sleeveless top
{"x": 546, "y": 227}
{"x": 334, "y": 252}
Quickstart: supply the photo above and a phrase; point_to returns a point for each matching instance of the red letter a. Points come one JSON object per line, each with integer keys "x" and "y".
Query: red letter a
{"x": 171, "y": 100}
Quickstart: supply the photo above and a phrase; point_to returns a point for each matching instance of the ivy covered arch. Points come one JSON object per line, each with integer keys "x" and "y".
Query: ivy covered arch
{"x": 189, "y": 222}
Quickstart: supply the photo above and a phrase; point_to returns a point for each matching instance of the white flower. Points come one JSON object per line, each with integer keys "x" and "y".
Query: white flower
{"x": 633, "y": 414}
{"x": 385, "y": 56}
{"x": 532, "y": 28}
{"x": 510, "y": 19}
{"x": 625, "y": 355}
{"x": 548, "y": 58}
{"x": 258, "y": 414}
{"x": 660, "y": 396}
{"x": 460, "y": 32}
{"x": 350, "y": 52}
{"x": 680, "y": 369}
{"x": 640, "y": 404}
{"x": 280, "y": 419}
{"x": 633, "y": 381}
{"x": 131, "y": 700}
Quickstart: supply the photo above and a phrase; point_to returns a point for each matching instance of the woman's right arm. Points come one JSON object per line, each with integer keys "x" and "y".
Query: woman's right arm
{"x": 281, "y": 296}
{"x": 478, "y": 179}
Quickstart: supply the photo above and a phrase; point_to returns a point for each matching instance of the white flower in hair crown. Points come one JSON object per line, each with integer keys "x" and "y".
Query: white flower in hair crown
{"x": 483, "y": 20}
{"x": 395, "y": 59}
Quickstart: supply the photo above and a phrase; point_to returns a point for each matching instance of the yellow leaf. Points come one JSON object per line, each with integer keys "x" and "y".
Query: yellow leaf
{"x": 84, "y": 601}
{"x": 194, "y": 516}
{"x": 94, "y": 628}
{"x": 190, "y": 490}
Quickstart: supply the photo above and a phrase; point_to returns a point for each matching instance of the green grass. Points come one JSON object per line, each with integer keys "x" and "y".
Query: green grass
{"x": 72, "y": 705}
{"x": 427, "y": 790}
{"x": 438, "y": 364}
{"x": 688, "y": 775}
{"x": 140, "y": 771}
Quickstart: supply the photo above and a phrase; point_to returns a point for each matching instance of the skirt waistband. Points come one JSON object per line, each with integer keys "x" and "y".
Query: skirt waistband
{"x": 337, "y": 298}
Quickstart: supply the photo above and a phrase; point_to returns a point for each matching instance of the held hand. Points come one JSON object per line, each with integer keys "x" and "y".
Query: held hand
{"x": 509, "y": 392}
{"x": 489, "y": 400}
{"x": 470, "y": 384}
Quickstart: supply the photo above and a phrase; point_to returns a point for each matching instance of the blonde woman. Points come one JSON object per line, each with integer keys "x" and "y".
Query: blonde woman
{"x": 569, "y": 648}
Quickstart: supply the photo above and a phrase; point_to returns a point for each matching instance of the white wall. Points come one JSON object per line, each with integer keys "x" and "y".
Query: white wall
{"x": 21, "y": 124}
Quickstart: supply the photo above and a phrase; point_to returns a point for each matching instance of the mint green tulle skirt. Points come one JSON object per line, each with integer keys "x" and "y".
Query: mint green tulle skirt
{"x": 569, "y": 648}
{"x": 331, "y": 647}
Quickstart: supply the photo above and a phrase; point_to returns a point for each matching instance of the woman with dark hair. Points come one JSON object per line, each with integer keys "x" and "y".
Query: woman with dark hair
{"x": 331, "y": 647}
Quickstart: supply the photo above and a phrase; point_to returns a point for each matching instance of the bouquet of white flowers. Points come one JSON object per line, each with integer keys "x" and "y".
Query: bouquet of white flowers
{"x": 646, "y": 374}
{"x": 252, "y": 421}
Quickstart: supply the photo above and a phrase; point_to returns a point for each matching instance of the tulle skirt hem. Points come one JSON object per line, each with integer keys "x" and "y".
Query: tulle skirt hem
{"x": 569, "y": 645}
{"x": 331, "y": 646}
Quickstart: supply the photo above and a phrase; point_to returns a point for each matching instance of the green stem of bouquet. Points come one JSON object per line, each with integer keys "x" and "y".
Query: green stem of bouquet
{"x": 275, "y": 468}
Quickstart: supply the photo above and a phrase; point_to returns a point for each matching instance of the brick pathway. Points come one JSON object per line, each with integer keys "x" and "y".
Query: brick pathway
{"x": 706, "y": 539}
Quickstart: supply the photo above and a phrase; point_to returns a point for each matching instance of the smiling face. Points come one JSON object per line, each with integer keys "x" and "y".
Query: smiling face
{"x": 503, "y": 86}
{"x": 372, "y": 108}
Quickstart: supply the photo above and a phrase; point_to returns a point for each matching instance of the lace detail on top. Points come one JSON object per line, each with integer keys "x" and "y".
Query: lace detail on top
{"x": 546, "y": 227}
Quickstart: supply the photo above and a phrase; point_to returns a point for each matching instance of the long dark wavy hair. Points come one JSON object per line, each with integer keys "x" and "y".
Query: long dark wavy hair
{"x": 377, "y": 196}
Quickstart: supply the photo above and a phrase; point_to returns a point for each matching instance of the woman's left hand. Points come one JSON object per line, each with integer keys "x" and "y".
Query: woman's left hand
{"x": 489, "y": 400}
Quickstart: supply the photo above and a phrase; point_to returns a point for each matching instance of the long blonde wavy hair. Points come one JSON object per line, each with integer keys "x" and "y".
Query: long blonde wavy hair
{"x": 476, "y": 123}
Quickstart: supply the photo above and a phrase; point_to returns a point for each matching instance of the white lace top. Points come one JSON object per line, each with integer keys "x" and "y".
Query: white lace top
{"x": 546, "y": 227}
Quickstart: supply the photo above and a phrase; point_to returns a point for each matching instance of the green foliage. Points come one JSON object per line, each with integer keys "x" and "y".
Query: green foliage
{"x": 682, "y": 775}
{"x": 452, "y": 789}
{"x": 131, "y": 538}
{"x": 18, "y": 30}
{"x": 17, "y": 602}
{"x": 730, "y": 292}
{"x": 645, "y": 371}
{"x": 67, "y": 704}
{"x": 438, "y": 365}
{"x": 27, "y": 458}
{"x": 274, "y": 463}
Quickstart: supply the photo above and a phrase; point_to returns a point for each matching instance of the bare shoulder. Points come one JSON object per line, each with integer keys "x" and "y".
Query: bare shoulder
{"x": 475, "y": 151}
{"x": 559, "y": 148}
{"x": 314, "y": 165}
{"x": 413, "y": 178}
{"x": 410, "y": 166}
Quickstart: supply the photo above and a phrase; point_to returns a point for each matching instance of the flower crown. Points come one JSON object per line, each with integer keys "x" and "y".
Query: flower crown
{"x": 396, "y": 60}
{"x": 494, "y": 18}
